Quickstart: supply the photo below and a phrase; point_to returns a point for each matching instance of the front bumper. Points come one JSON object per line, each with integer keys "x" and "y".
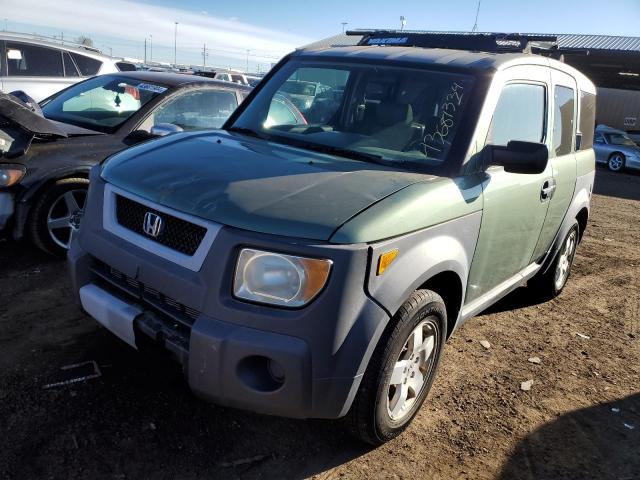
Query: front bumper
{"x": 304, "y": 363}
{"x": 6, "y": 209}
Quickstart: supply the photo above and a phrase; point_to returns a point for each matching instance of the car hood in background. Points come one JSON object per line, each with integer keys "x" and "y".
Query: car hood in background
{"x": 252, "y": 184}
{"x": 17, "y": 113}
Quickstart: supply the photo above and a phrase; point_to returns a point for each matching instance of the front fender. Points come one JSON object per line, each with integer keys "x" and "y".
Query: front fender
{"x": 447, "y": 247}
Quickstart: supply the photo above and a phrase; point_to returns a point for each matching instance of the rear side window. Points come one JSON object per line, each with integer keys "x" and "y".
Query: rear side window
{"x": 519, "y": 115}
{"x": 587, "y": 119}
{"x": 88, "y": 66}
{"x": 563, "y": 120}
{"x": 199, "y": 109}
{"x": 69, "y": 67}
{"x": 33, "y": 61}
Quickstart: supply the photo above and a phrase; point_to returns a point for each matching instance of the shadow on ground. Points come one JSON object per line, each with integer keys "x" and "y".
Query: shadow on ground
{"x": 619, "y": 185}
{"x": 600, "y": 442}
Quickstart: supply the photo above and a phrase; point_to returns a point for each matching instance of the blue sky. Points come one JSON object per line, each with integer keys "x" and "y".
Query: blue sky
{"x": 259, "y": 32}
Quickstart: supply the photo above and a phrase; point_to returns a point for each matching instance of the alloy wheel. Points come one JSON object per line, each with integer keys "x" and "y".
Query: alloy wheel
{"x": 565, "y": 260}
{"x": 616, "y": 162}
{"x": 64, "y": 216}
{"x": 411, "y": 371}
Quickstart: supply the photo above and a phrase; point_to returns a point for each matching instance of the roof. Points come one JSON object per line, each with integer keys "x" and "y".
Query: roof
{"x": 565, "y": 41}
{"x": 451, "y": 58}
{"x": 607, "y": 60}
{"x": 171, "y": 79}
{"x": 55, "y": 43}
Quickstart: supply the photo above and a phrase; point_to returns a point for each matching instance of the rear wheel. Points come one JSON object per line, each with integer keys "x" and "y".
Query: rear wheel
{"x": 549, "y": 284}
{"x": 401, "y": 370}
{"x": 616, "y": 162}
{"x": 57, "y": 213}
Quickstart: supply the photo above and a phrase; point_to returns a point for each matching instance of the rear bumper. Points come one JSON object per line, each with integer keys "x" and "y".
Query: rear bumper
{"x": 6, "y": 209}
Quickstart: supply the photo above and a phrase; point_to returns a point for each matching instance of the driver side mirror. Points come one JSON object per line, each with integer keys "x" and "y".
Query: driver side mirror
{"x": 162, "y": 129}
{"x": 517, "y": 157}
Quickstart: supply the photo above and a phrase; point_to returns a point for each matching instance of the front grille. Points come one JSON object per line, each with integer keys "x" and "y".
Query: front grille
{"x": 177, "y": 234}
{"x": 181, "y": 315}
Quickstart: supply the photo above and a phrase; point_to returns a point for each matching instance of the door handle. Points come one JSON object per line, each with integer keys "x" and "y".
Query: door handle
{"x": 548, "y": 188}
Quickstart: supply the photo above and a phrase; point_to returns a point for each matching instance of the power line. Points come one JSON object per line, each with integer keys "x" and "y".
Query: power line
{"x": 475, "y": 24}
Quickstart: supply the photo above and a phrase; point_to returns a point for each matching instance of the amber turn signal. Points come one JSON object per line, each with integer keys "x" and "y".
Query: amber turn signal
{"x": 385, "y": 260}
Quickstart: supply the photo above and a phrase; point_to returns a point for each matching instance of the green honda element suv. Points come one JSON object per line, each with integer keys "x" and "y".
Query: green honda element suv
{"x": 311, "y": 258}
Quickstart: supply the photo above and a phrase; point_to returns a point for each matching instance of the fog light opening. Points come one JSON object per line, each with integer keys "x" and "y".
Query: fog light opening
{"x": 261, "y": 373}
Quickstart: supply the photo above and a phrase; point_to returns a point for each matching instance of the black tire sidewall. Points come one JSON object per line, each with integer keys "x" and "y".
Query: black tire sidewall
{"x": 39, "y": 230}
{"x": 422, "y": 305}
{"x": 574, "y": 228}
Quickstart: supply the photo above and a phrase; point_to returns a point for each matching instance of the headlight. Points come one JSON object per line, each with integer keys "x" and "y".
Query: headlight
{"x": 278, "y": 279}
{"x": 11, "y": 174}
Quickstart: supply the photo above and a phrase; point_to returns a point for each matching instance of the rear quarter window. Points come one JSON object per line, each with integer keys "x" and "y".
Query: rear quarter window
{"x": 88, "y": 66}
{"x": 587, "y": 123}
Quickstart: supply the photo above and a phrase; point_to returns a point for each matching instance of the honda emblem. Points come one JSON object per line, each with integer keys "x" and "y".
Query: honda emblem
{"x": 152, "y": 224}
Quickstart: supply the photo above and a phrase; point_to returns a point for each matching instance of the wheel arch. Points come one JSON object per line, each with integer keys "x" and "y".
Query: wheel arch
{"x": 448, "y": 285}
{"x": 33, "y": 193}
{"x": 582, "y": 217}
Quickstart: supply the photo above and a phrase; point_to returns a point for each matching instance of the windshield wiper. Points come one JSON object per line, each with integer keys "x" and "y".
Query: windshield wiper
{"x": 345, "y": 152}
{"x": 248, "y": 131}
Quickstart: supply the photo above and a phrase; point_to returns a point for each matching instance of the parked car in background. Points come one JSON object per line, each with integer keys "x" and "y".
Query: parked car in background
{"x": 316, "y": 268}
{"x": 226, "y": 76}
{"x": 45, "y": 160}
{"x": 41, "y": 67}
{"x": 616, "y": 149}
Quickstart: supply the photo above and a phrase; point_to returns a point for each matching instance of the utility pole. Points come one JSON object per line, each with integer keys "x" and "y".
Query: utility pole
{"x": 145, "y": 50}
{"x": 344, "y": 24}
{"x": 175, "y": 45}
{"x": 403, "y": 22}
{"x": 204, "y": 57}
{"x": 151, "y": 48}
{"x": 5, "y": 25}
{"x": 247, "y": 68}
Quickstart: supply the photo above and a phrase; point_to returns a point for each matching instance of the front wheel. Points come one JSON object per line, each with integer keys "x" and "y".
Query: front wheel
{"x": 549, "y": 284}
{"x": 401, "y": 370}
{"x": 57, "y": 213}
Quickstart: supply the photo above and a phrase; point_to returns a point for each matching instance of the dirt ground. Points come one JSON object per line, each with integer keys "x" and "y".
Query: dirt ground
{"x": 580, "y": 420}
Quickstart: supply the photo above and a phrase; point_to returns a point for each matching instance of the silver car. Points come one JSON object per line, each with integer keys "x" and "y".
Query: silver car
{"x": 615, "y": 149}
{"x": 41, "y": 67}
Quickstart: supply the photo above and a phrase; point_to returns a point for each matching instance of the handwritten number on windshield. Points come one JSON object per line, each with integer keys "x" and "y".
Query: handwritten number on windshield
{"x": 437, "y": 140}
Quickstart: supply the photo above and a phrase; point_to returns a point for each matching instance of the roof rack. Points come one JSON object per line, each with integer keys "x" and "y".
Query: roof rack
{"x": 482, "y": 42}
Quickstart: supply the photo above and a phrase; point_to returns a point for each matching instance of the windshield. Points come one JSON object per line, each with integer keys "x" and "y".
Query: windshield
{"x": 101, "y": 103}
{"x": 619, "y": 139}
{"x": 387, "y": 113}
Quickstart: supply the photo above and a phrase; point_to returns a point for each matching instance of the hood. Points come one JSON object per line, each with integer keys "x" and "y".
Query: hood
{"x": 16, "y": 113}
{"x": 19, "y": 124}
{"x": 254, "y": 185}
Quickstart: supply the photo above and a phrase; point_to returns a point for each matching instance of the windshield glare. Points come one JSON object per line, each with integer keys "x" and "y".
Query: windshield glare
{"x": 101, "y": 103}
{"x": 395, "y": 114}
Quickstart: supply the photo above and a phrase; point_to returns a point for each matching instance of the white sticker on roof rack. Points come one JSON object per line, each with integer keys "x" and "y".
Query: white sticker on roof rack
{"x": 151, "y": 88}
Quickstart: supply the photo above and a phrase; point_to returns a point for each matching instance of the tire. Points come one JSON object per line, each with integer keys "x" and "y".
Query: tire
{"x": 375, "y": 417}
{"x": 550, "y": 284}
{"x": 616, "y": 162}
{"x": 63, "y": 200}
